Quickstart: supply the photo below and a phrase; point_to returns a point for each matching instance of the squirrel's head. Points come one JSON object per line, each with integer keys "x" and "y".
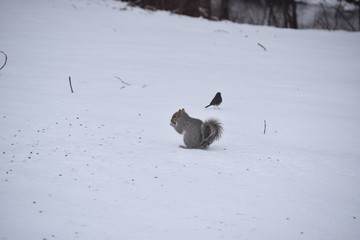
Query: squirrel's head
{"x": 176, "y": 115}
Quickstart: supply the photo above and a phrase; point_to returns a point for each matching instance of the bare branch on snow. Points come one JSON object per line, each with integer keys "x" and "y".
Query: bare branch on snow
{"x": 262, "y": 46}
{"x": 5, "y": 60}
{"x": 264, "y": 126}
{"x": 72, "y": 91}
{"x": 122, "y": 81}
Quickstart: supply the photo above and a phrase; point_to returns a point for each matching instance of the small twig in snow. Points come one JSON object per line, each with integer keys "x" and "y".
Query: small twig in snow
{"x": 5, "y": 60}
{"x": 264, "y": 126}
{"x": 72, "y": 91}
{"x": 125, "y": 83}
{"x": 262, "y": 46}
{"x": 221, "y": 31}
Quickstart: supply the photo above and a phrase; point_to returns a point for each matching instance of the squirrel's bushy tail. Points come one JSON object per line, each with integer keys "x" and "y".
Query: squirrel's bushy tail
{"x": 211, "y": 130}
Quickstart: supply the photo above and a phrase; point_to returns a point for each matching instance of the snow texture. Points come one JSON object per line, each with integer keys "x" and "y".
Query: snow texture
{"x": 104, "y": 163}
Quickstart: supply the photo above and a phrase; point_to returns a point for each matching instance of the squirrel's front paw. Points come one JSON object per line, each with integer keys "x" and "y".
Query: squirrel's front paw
{"x": 172, "y": 124}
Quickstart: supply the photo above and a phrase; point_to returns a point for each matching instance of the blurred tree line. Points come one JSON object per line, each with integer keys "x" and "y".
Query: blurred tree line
{"x": 344, "y": 14}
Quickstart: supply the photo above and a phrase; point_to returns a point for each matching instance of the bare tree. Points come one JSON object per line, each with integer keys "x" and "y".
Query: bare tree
{"x": 332, "y": 17}
{"x": 205, "y": 8}
{"x": 290, "y": 13}
{"x": 278, "y": 13}
{"x": 288, "y": 18}
{"x": 272, "y": 19}
{"x": 224, "y": 9}
{"x": 356, "y": 3}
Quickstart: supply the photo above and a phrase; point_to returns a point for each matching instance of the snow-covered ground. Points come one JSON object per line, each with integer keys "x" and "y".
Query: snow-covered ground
{"x": 104, "y": 163}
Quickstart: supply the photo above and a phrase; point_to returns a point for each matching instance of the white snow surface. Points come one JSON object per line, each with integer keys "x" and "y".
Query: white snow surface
{"x": 104, "y": 163}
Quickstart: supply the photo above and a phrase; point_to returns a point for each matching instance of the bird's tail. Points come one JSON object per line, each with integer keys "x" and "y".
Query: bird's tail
{"x": 211, "y": 130}
{"x": 208, "y": 106}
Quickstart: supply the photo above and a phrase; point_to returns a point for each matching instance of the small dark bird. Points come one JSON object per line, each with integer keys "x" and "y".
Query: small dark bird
{"x": 217, "y": 100}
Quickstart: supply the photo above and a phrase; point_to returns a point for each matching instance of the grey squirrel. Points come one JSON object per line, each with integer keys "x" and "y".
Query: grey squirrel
{"x": 197, "y": 134}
